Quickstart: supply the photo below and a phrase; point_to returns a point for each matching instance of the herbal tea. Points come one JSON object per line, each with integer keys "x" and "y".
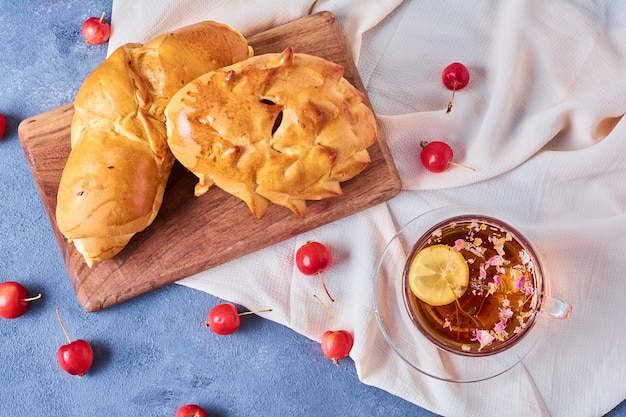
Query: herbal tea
{"x": 472, "y": 286}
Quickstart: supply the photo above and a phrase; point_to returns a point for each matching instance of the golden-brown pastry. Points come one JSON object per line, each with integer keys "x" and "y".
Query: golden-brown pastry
{"x": 280, "y": 128}
{"x": 113, "y": 181}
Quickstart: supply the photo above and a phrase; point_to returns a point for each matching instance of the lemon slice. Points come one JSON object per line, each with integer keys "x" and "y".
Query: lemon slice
{"x": 438, "y": 275}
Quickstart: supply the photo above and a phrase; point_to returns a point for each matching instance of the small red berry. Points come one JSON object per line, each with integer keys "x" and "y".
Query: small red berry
{"x": 314, "y": 258}
{"x": 190, "y": 410}
{"x": 436, "y": 156}
{"x": 3, "y": 125}
{"x": 337, "y": 344}
{"x": 76, "y": 356}
{"x": 455, "y": 76}
{"x": 14, "y": 299}
{"x": 224, "y": 319}
{"x": 96, "y": 30}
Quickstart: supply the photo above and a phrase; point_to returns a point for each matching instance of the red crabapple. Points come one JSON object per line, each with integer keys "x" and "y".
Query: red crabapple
{"x": 314, "y": 258}
{"x": 14, "y": 299}
{"x": 191, "y": 410}
{"x": 96, "y": 30}
{"x": 455, "y": 76}
{"x": 76, "y": 356}
{"x": 437, "y": 155}
{"x": 224, "y": 318}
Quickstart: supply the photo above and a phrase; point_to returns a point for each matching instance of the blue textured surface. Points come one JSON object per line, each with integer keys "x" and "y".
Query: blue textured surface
{"x": 152, "y": 354}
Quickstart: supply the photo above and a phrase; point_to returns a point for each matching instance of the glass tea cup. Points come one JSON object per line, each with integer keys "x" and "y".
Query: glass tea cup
{"x": 475, "y": 322}
{"x": 497, "y": 303}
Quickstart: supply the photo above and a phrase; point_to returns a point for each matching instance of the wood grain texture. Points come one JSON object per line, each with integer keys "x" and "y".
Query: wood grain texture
{"x": 192, "y": 234}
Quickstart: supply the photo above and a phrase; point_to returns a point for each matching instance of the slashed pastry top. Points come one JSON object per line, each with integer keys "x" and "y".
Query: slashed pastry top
{"x": 276, "y": 128}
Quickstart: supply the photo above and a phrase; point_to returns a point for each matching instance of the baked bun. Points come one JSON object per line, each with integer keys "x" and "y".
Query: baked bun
{"x": 280, "y": 128}
{"x": 113, "y": 181}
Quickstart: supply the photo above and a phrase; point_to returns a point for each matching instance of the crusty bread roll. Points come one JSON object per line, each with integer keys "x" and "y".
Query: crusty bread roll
{"x": 280, "y": 128}
{"x": 115, "y": 176}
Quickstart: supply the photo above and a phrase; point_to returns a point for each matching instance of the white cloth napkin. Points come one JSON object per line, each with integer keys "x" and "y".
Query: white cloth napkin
{"x": 541, "y": 121}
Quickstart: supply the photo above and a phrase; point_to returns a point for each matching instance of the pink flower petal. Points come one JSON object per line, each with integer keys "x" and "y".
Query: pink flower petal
{"x": 528, "y": 288}
{"x": 484, "y": 337}
{"x": 505, "y": 314}
{"x": 495, "y": 260}
{"x": 497, "y": 280}
{"x": 459, "y": 244}
{"x": 482, "y": 273}
{"x": 518, "y": 283}
{"x": 499, "y": 329}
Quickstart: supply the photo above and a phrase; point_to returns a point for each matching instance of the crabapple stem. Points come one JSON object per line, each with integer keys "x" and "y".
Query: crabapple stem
{"x": 37, "y": 297}
{"x": 462, "y": 166}
{"x": 67, "y": 336}
{"x": 325, "y": 287}
{"x": 101, "y": 18}
{"x": 332, "y": 319}
{"x": 454, "y": 84}
{"x": 245, "y": 313}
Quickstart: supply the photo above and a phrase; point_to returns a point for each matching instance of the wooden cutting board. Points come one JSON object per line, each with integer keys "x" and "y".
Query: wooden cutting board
{"x": 193, "y": 234}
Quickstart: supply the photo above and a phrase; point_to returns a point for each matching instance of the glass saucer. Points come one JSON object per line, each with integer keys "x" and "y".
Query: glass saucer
{"x": 402, "y": 334}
